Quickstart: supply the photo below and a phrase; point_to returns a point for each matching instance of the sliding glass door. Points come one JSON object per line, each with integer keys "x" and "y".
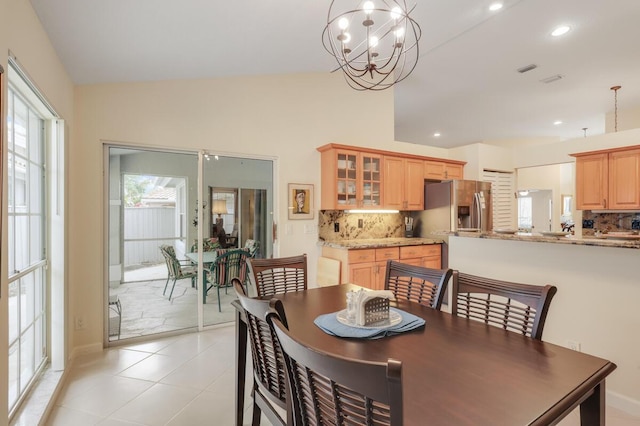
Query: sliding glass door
{"x": 157, "y": 207}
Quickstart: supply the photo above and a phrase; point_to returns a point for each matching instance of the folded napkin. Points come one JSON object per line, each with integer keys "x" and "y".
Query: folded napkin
{"x": 329, "y": 324}
{"x": 357, "y": 299}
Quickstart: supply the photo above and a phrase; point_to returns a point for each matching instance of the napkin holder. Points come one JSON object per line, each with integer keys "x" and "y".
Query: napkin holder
{"x": 376, "y": 310}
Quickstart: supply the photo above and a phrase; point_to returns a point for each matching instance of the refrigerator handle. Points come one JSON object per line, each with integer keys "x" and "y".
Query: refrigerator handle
{"x": 478, "y": 212}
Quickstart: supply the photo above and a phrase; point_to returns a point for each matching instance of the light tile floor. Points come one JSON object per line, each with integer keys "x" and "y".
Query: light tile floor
{"x": 176, "y": 381}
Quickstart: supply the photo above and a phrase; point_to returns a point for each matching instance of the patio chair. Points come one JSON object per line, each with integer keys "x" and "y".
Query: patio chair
{"x": 176, "y": 269}
{"x": 252, "y": 247}
{"x": 269, "y": 384}
{"x": 416, "y": 283}
{"x": 521, "y": 308}
{"x": 331, "y": 389}
{"x": 229, "y": 264}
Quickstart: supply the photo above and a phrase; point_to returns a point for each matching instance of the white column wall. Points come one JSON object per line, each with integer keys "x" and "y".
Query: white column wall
{"x": 596, "y": 303}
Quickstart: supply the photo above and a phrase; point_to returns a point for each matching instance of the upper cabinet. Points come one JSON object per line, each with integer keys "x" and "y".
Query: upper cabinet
{"x": 360, "y": 178}
{"x": 351, "y": 180}
{"x": 439, "y": 170}
{"x": 403, "y": 183}
{"x": 608, "y": 180}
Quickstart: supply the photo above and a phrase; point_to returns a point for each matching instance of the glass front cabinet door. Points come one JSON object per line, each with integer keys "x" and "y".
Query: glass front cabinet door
{"x": 351, "y": 180}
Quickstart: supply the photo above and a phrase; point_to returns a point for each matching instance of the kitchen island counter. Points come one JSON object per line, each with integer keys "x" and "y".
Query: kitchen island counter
{"x": 539, "y": 238}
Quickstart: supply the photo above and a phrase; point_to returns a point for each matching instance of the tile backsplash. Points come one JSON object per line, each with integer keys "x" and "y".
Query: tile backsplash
{"x": 608, "y": 222}
{"x": 374, "y": 225}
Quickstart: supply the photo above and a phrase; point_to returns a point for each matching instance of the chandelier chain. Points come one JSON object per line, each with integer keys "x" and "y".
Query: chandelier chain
{"x": 615, "y": 109}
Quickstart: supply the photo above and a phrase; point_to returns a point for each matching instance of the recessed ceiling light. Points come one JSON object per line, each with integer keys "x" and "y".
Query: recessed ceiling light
{"x": 436, "y": 135}
{"x": 495, "y": 6}
{"x": 561, "y": 30}
{"x": 557, "y": 123}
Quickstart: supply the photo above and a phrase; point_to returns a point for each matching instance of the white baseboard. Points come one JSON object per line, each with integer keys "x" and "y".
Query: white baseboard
{"x": 86, "y": 349}
{"x": 623, "y": 403}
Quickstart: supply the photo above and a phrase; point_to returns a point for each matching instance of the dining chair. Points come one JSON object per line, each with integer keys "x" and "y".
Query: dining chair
{"x": 279, "y": 275}
{"x": 176, "y": 269}
{"x": 329, "y": 389}
{"x": 418, "y": 284}
{"x": 229, "y": 264}
{"x": 269, "y": 384}
{"x": 521, "y": 308}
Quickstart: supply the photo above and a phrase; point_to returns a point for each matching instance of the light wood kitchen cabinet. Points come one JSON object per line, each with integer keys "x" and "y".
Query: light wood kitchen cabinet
{"x": 624, "y": 179}
{"x": 427, "y": 256}
{"x": 439, "y": 170}
{"x": 367, "y": 267}
{"x": 364, "y": 267}
{"x": 351, "y": 180}
{"x": 608, "y": 180}
{"x": 403, "y": 183}
{"x": 360, "y": 178}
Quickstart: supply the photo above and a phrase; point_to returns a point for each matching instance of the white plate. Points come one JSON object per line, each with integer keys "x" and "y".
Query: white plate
{"x": 505, "y": 231}
{"x": 555, "y": 234}
{"x": 394, "y": 319}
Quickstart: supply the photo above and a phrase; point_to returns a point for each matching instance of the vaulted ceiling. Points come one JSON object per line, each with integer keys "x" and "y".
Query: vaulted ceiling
{"x": 466, "y": 85}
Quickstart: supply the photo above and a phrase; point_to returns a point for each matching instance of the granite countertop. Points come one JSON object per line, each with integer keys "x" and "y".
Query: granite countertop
{"x": 535, "y": 237}
{"x": 375, "y": 243}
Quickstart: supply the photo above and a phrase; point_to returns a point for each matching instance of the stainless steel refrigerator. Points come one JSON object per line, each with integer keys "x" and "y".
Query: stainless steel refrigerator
{"x": 456, "y": 205}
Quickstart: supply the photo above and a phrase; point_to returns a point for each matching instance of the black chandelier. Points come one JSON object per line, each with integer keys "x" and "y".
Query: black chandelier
{"x": 375, "y": 43}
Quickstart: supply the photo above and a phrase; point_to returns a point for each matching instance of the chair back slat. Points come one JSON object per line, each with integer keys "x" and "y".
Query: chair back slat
{"x": 279, "y": 275}
{"x": 418, "y": 284}
{"x": 521, "y": 308}
{"x": 333, "y": 390}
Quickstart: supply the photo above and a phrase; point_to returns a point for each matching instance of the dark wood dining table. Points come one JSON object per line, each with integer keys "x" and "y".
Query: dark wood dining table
{"x": 455, "y": 371}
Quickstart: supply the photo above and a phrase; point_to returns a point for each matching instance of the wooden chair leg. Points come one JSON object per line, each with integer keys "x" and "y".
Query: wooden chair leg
{"x": 256, "y": 415}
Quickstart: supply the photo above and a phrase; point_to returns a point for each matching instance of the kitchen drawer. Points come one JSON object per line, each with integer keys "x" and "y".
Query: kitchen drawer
{"x": 360, "y": 256}
{"x": 387, "y": 253}
{"x": 410, "y": 252}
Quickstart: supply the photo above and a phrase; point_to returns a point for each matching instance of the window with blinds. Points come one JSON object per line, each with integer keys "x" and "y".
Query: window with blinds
{"x": 502, "y": 190}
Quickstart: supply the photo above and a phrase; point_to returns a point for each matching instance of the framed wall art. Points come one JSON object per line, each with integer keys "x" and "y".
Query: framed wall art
{"x": 300, "y": 201}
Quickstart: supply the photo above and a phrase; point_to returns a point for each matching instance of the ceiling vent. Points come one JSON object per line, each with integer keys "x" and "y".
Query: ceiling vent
{"x": 552, "y": 79}
{"x": 527, "y": 68}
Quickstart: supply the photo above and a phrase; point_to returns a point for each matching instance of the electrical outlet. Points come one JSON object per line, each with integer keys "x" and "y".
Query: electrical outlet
{"x": 80, "y": 324}
{"x": 360, "y": 223}
{"x": 587, "y": 224}
{"x": 573, "y": 345}
{"x": 336, "y": 227}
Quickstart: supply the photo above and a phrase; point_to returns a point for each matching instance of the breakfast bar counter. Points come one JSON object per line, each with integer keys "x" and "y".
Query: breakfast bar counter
{"x": 596, "y": 307}
{"x": 633, "y": 242}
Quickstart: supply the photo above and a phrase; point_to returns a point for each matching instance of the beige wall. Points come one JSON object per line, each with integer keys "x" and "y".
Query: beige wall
{"x": 281, "y": 117}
